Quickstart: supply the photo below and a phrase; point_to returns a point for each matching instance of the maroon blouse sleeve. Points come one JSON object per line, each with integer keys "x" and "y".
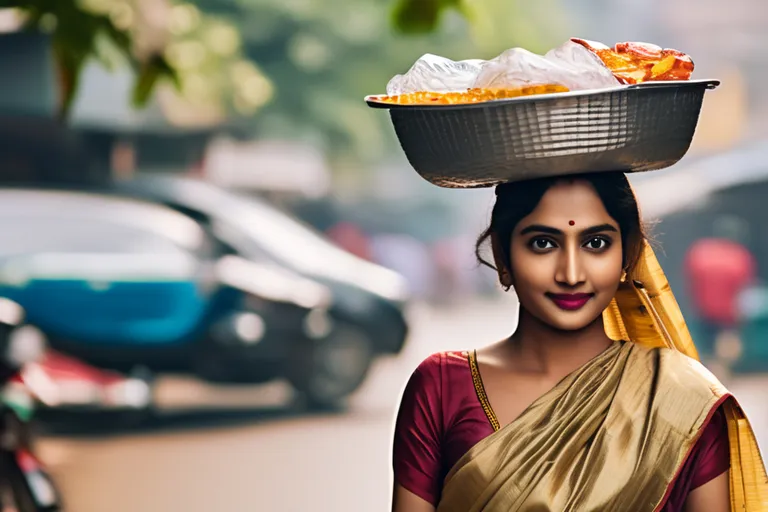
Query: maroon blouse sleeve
{"x": 418, "y": 430}
{"x": 712, "y": 451}
{"x": 709, "y": 458}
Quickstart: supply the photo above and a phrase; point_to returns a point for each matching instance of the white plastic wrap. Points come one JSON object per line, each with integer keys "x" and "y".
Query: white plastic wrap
{"x": 436, "y": 74}
{"x": 571, "y": 65}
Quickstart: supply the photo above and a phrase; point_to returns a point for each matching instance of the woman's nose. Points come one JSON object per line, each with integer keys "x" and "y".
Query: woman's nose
{"x": 570, "y": 270}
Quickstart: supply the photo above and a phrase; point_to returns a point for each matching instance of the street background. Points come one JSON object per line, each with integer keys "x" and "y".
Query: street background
{"x": 219, "y": 238}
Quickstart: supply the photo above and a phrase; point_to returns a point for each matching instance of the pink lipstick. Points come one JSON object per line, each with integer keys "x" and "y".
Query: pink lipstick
{"x": 570, "y": 301}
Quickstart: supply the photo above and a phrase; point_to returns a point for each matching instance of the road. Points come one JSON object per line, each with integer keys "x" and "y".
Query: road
{"x": 218, "y": 450}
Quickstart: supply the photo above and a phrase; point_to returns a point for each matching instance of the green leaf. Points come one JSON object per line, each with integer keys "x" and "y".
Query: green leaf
{"x": 422, "y": 16}
{"x": 147, "y": 77}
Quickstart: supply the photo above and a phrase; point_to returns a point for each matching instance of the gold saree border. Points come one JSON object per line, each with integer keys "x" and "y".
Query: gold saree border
{"x": 482, "y": 396}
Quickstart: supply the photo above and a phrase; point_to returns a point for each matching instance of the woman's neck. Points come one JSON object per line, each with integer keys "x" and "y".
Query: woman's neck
{"x": 541, "y": 348}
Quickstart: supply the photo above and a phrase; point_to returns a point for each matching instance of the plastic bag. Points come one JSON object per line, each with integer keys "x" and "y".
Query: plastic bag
{"x": 436, "y": 74}
{"x": 570, "y": 65}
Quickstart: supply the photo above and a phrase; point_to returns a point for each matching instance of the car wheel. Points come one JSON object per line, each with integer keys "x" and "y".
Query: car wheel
{"x": 332, "y": 368}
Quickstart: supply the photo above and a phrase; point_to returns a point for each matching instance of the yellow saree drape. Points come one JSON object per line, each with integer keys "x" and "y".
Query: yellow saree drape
{"x": 646, "y": 312}
{"x": 591, "y": 443}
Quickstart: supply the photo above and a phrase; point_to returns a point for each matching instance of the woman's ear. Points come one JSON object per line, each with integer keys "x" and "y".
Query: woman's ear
{"x": 505, "y": 275}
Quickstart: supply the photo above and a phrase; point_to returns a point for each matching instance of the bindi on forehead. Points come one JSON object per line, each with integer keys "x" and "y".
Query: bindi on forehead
{"x": 571, "y": 222}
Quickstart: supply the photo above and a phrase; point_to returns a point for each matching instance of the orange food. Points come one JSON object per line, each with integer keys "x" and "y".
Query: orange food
{"x": 633, "y": 63}
{"x": 470, "y": 96}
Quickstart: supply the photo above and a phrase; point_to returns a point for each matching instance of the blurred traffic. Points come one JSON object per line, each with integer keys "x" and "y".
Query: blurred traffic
{"x": 221, "y": 290}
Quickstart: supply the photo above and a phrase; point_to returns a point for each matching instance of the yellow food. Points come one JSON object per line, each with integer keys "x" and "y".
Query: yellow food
{"x": 470, "y": 96}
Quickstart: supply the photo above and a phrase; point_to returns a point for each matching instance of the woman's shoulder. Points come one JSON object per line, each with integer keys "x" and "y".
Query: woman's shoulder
{"x": 439, "y": 375}
{"x": 679, "y": 371}
{"x": 441, "y": 364}
{"x": 439, "y": 380}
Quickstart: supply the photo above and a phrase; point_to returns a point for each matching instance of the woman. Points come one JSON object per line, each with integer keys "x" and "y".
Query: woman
{"x": 596, "y": 402}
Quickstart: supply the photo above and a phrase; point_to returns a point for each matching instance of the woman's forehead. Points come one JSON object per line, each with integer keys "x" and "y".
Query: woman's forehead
{"x": 573, "y": 203}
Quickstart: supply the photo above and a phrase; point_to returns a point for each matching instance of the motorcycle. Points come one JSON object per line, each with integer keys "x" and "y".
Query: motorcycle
{"x": 25, "y": 486}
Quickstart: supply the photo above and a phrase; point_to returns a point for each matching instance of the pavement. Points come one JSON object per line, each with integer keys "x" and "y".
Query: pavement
{"x": 241, "y": 449}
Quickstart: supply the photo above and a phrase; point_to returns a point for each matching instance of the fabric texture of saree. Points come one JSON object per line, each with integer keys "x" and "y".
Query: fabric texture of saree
{"x": 613, "y": 434}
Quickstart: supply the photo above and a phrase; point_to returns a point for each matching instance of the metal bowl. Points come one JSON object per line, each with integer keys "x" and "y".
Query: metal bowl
{"x": 629, "y": 128}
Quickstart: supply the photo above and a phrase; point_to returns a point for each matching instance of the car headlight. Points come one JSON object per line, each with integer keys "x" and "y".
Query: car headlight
{"x": 26, "y": 344}
{"x": 11, "y": 313}
{"x": 245, "y": 328}
{"x": 249, "y": 327}
{"x": 318, "y": 324}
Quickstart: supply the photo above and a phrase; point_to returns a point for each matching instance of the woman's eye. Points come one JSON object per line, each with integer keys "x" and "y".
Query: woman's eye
{"x": 597, "y": 243}
{"x": 542, "y": 244}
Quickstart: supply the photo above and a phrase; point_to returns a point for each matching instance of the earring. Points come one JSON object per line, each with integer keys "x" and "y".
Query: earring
{"x": 623, "y": 276}
{"x": 506, "y": 280}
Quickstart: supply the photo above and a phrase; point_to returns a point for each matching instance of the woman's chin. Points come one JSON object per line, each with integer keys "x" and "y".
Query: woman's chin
{"x": 571, "y": 320}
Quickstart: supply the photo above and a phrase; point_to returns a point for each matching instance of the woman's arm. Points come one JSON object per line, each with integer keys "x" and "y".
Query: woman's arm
{"x": 710, "y": 490}
{"x": 416, "y": 457}
{"x": 713, "y": 496}
{"x": 404, "y": 500}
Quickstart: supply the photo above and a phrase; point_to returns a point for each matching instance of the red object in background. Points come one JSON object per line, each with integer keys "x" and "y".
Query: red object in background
{"x": 350, "y": 238}
{"x": 63, "y": 368}
{"x": 717, "y": 271}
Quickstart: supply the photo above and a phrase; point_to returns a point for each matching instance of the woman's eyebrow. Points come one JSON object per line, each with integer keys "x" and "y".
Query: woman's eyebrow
{"x": 599, "y": 229}
{"x": 539, "y": 228}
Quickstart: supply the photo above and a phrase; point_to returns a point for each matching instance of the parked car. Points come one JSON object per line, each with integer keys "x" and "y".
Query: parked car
{"x": 121, "y": 283}
{"x": 717, "y": 197}
{"x": 369, "y": 299}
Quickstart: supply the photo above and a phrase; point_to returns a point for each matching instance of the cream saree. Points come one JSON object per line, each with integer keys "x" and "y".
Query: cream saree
{"x": 613, "y": 434}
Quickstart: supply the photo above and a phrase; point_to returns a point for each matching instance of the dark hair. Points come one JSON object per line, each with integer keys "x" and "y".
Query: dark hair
{"x": 517, "y": 200}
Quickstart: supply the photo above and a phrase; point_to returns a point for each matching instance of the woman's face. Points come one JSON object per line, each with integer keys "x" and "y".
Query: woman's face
{"x": 566, "y": 257}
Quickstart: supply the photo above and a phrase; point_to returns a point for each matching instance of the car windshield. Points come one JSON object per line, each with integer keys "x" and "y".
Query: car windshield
{"x": 263, "y": 230}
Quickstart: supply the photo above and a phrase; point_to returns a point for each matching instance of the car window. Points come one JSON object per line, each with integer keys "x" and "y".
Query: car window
{"x": 26, "y": 234}
{"x": 63, "y": 222}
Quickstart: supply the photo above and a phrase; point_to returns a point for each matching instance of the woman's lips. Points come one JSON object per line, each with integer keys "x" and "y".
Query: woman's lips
{"x": 570, "y": 301}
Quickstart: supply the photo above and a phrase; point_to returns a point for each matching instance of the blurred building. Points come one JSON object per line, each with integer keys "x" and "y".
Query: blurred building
{"x": 268, "y": 166}
{"x": 122, "y": 139}
{"x": 727, "y": 40}
{"x": 105, "y": 135}
{"x": 33, "y": 144}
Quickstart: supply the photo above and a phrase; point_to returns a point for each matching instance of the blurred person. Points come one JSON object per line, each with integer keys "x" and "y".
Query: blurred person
{"x": 407, "y": 256}
{"x": 445, "y": 261}
{"x": 718, "y": 272}
{"x": 596, "y": 401}
{"x": 454, "y": 261}
{"x": 351, "y": 238}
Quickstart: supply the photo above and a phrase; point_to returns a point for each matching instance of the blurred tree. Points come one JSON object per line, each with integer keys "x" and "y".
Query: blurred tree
{"x": 161, "y": 40}
{"x": 306, "y": 64}
{"x": 82, "y": 30}
{"x": 491, "y": 21}
{"x": 324, "y": 57}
